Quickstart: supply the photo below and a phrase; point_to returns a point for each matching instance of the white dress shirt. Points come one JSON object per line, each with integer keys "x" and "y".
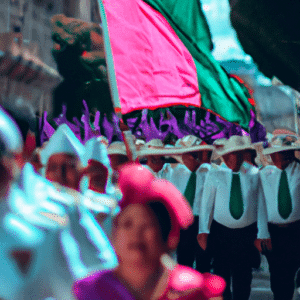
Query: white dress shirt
{"x": 215, "y": 202}
{"x": 164, "y": 173}
{"x": 179, "y": 176}
{"x": 268, "y": 205}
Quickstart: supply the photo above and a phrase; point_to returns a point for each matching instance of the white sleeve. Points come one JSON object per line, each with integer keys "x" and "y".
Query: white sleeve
{"x": 262, "y": 215}
{"x": 207, "y": 202}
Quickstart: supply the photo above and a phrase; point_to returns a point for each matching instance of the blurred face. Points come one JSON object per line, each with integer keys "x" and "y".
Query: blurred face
{"x": 136, "y": 237}
{"x": 64, "y": 169}
{"x": 282, "y": 159}
{"x": 249, "y": 156}
{"x": 117, "y": 160}
{"x": 234, "y": 160}
{"x": 98, "y": 175}
{"x": 193, "y": 160}
{"x": 155, "y": 162}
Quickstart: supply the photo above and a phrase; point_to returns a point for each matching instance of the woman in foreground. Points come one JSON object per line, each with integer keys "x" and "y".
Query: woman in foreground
{"x": 146, "y": 230}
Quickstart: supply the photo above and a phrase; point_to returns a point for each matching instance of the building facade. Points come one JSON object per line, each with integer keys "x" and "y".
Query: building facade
{"x": 30, "y": 19}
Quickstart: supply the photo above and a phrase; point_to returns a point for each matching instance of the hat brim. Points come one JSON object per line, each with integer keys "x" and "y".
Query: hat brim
{"x": 268, "y": 151}
{"x": 116, "y": 152}
{"x": 235, "y": 149}
{"x": 173, "y": 151}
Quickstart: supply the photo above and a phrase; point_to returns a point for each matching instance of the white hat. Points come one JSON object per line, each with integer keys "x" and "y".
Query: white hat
{"x": 95, "y": 149}
{"x": 10, "y": 136}
{"x": 187, "y": 144}
{"x": 191, "y": 143}
{"x": 155, "y": 143}
{"x": 155, "y": 147}
{"x": 117, "y": 148}
{"x": 233, "y": 144}
{"x": 62, "y": 141}
{"x": 219, "y": 143}
{"x": 283, "y": 142}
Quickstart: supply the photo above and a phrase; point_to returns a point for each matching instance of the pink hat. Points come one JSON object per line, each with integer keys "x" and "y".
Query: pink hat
{"x": 138, "y": 185}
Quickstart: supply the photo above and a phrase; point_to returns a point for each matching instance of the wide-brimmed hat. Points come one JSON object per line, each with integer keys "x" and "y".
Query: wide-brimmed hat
{"x": 186, "y": 144}
{"x": 139, "y": 186}
{"x": 117, "y": 148}
{"x": 282, "y": 142}
{"x": 233, "y": 144}
{"x": 219, "y": 143}
{"x": 191, "y": 143}
{"x": 155, "y": 147}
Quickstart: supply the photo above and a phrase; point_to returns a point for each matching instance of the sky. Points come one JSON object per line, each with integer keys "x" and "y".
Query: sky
{"x": 226, "y": 43}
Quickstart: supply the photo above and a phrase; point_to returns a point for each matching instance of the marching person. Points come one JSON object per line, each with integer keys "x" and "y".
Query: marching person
{"x": 158, "y": 157}
{"x": 279, "y": 212}
{"x": 189, "y": 178}
{"x": 117, "y": 154}
{"x": 145, "y": 231}
{"x": 228, "y": 213}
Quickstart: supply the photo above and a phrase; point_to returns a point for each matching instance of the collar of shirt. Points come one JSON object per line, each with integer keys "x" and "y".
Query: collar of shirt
{"x": 245, "y": 168}
{"x": 270, "y": 179}
{"x": 290, "y": 169}
{"x": 202, "y": 168}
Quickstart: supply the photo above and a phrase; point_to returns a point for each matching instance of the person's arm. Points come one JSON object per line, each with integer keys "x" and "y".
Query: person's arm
{"x": 207, "y": 208}
{"x": 263, "y": 241}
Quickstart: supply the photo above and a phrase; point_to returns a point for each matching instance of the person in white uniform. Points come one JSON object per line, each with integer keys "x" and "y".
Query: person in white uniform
{"x": 117, "y": 154}
{"x": 279, "y": 213}
{"x": 189, "y": 178}
{"x": 82, "y": 246}
{"x": 158, "y": 157}
{"x": 228, "y": 213}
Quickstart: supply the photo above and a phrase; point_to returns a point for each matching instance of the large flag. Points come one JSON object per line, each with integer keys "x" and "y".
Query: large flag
{"x": 161, "y": 56}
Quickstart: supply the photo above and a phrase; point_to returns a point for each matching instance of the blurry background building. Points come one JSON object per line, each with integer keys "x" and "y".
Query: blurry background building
{"x": 27, "y": 70}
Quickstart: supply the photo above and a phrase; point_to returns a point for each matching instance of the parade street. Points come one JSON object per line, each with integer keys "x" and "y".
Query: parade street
{"x": 261, "y": 289}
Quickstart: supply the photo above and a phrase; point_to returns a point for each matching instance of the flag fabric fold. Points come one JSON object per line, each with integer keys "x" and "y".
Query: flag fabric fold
{"x": 153, "y": 68}
{"x": 161, "y": 53}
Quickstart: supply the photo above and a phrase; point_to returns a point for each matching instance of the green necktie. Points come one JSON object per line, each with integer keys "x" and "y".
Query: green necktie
{"x": 190, "y": 189}
{"x": 284, "y": 197}
{"x": 236, "y": 201}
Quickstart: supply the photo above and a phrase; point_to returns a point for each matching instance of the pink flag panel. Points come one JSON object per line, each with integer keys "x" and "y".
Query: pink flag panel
{"x": 153, "y": 67}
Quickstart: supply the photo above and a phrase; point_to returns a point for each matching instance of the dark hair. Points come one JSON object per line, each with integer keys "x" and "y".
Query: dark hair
{"x": 163, "y": 218}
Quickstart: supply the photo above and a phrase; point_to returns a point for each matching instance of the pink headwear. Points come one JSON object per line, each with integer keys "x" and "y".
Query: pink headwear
{"x": 138, "y": 185}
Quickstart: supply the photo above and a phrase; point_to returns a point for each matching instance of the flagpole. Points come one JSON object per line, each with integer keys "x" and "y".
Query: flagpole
{"x": 126, "y": 133}
{"x": 109, "y": 61}
{"x": 295, "y": 96}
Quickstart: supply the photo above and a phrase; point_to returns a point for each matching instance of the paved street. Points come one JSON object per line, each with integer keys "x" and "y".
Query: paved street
{"x": 261, "y": 284}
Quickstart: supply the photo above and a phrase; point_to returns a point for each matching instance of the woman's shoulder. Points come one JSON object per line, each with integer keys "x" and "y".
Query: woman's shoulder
{"x": 88, "y": 284}
{"x": 102, "y": 285}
